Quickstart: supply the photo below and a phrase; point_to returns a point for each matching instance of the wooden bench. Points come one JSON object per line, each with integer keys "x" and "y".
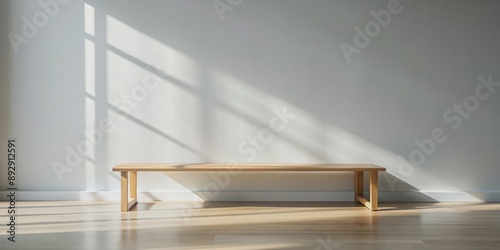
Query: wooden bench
{"x": 129, "y": 176}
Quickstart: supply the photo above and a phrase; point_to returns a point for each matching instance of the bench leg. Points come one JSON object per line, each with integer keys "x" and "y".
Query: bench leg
{"x": 126, "y": 202}
{"x": 133, "y": 189}
{"x": 372, "y": 204}
{"x": 373, "y": 190}
{"x": 358, "y": 185}
{"x": 133, "y": 184}
{"x": 124, "y": 191}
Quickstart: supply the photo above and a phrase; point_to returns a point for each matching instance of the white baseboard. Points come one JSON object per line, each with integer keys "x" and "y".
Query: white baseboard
{"x": 384, "y": 196}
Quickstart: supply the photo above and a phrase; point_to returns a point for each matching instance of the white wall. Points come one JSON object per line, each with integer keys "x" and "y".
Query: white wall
{"x": 208, "y": 84}
{"x": 4, "y": 91}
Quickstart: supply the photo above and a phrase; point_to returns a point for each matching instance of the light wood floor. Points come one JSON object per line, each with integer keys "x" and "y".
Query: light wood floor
{"x": 250, "y": 225}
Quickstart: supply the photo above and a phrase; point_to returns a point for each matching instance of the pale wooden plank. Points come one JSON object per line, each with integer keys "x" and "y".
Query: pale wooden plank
{"x": 245, "y": 167}
{"x": 358, "y": 184}
{"x": 133, "y": 184}
{"x": 364, "y": 201}
{"x": 124, "y": 191}
{"x": 131, "y": 203}
{"x": 373, "y": 190}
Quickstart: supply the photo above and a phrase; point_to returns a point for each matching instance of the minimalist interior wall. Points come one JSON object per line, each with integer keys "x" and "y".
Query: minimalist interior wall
{"x": 409, "y": 85}
{"x": 4, "y": 91}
